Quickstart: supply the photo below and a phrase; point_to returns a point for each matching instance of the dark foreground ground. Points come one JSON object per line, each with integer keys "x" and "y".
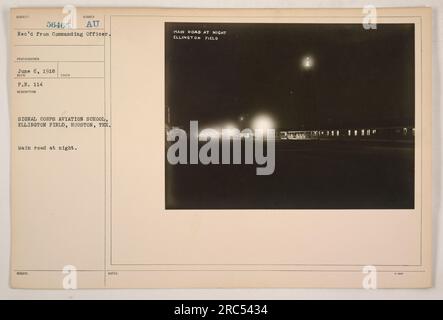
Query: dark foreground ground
{"x": 308, "y": 175}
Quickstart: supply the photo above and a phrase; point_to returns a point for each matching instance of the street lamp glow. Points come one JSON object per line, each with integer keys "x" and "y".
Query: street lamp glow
{"x": 263, "y": 122}
{"x": 307, "y": 62}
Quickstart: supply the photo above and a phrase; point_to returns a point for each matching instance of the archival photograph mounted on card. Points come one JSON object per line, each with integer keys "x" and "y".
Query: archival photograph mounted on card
{"x": 339, "y": 97}
{"x": 220, "y": 148}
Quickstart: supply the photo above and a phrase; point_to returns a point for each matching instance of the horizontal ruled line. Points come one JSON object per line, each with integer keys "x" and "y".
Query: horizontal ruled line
{"x": 42, "y": 78}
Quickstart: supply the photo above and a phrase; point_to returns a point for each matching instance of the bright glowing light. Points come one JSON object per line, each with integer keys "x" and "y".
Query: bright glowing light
{"x": 307, "y": 62}
{"x": 230, "y": 130}
{"x": 263, "y": 122}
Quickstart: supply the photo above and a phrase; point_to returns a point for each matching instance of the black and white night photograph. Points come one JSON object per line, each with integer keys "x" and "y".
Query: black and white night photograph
{"x": 337, "y": 102}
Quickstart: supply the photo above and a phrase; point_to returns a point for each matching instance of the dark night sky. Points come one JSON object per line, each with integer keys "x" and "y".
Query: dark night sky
{"x": 360, "y": 78}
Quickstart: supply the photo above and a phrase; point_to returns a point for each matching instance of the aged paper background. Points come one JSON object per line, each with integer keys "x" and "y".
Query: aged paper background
{"x": 127, "y": 234}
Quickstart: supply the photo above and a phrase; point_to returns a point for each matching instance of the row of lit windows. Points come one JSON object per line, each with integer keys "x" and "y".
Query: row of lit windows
{"x": 363, "y": 132}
